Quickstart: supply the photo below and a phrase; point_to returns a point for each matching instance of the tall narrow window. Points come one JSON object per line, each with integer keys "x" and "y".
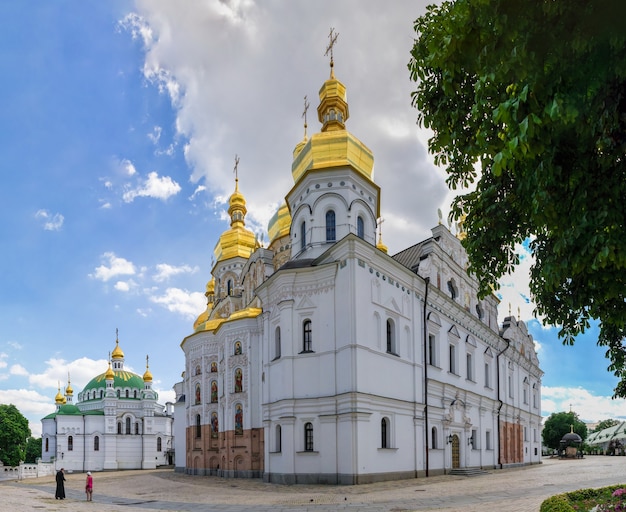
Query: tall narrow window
{"x": 308, "y": 437}
{"x": 330, "y": 226}
{"x": 487, "y": 376}
{"x": 159, "y": 447}
{"x": 47, "y": 444}
{"x": 198, "y": 426}
{"x": 229, "y": 287}
{"x": 469, "y": 363}
{"x": 433, "y": 438}
{"x": 277, "y": 343}
{"x": 70, "y": 444}
{"x": 453, "y": 359}
{"x": 279, "y": 432}
{"x": 391, "y": 337}
{"x": 303, "y": 235}
{"x": 307, "y": 337}
{"x": 360, "y": 227}
{"x": 384, "y": 433}
{"x": 128, "y": 426}
{"x": 488, "y": 440}
{"x": 432, "y": 350}
{"x": 136, "y": 429}
{"x": 119, "y": 427}
{"x": 96, "y": 444}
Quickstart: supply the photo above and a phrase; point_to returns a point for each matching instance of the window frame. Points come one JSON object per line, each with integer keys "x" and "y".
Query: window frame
{"x": 307, "y": 336}
{"x": 331, "y": 229}
{"x": 308, "y": 437}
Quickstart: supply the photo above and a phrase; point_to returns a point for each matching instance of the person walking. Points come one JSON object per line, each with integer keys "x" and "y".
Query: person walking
{"x": 60, "y": 492}
{"x": 89, "y": 486}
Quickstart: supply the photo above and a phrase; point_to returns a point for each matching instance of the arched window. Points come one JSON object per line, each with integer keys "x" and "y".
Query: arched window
{"x": 391, "y": 337}
{"x": 127, "y": 394}
{"x": 453, "y": 368}
{"x": 330, "y": 226}
{"x": 360, "y": 227}
{"x": 119, "y": 427}
{"x": 118, "y": 393}
{"x": 308, "y": 437}
{"x": 229, "y": 287}
{"x": 384, "y": 433}
{"x": 452, "y": 289}
{"x": 159, "y": 448}
{"x": 198, "y": 394}
{"x": 101, "y": 393}
{"x": 136, "y": 429}
{"x": 238, "y": 348}
{"x": 433, "y": 438}
{"x": 198, "y": 426}
{"x": 307, "y": 336}
{"x": 70, "y": 443}
{"x": 277, "y": 343}
{"x": 96, "y": 444}
{"x": 279, "y": 432}
{"x": 47, "y": 444}
{"x": 303, "y": 235}
{"x": 128, "y": 426}
{"x": 135, "y": 394}
{"x": 198, "y": 370}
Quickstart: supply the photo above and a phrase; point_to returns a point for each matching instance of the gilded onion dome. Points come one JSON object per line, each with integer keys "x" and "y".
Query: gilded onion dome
{"x": 68, "y": 390}
{"x": 334, "y": 146}
{"x": 210, "y": 296}
{"x": 59, "y": 398}
{"x": 109, "y": 374}
{"x": 280, "y": 224}
{"x": 236, "y": 241}
{"x": 117, "y": 351}
{"x": 147, "y": 376}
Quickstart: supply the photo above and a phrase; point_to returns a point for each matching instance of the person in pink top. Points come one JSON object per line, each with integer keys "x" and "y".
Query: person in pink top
{"x": 89, "y": 486}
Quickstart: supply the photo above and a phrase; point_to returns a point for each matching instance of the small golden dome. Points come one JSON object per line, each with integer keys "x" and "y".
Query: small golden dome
{"x": 210, "y": 286}
{"x": 68, "y": 390}
{"x": 117, "y": 351}
{"x": 147, "y": 376}
{"x": 109, "y": 375}
{"x": 280, "y": 224}
{"x": 59, "y": 398}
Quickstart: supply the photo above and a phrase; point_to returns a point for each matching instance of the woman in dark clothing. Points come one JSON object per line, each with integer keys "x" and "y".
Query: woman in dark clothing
{"x": 60, "y": 492}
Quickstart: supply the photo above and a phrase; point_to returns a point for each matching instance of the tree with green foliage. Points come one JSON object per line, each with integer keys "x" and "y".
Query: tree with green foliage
{"x": 527, "y": 104}
{"x": 14, "y": 434}
{"x": 605, "y": 424}
{"x": 33, "y": 450}
{"x": 560, "y": 423}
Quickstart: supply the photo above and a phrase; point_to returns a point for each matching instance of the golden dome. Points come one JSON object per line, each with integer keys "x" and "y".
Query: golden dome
{"x": 280, "y": 224}
{"x": 380, "y": 245}
{"x": 68, "y": 390}
{"x": 210, "y": 287}
{"x": 59, "y": 398}
{"x": 236, "y": 241}
{"x": 109, "y": 375}
{"x": 334, "y": 146}
{"x": 117, "y": 351}
{"x": 147, "y": 376}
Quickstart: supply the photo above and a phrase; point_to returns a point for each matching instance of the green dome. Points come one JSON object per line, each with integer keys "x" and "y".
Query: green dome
{"x": 69, "y": 409}
{"x": 123, "y": 380}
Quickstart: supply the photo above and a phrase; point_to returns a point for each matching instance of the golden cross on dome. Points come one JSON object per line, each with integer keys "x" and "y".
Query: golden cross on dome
{"x": 117, "y": 337}
{"x": 147, "y": 360}
{"x": 235, "y": 168}
{"x": 329, "y": 49}
{"x": 380, "y": 227}
{"x": 306, "y": 107}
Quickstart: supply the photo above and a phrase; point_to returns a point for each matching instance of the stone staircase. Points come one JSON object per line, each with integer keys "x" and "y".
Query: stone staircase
{"x": 468, "y": 472}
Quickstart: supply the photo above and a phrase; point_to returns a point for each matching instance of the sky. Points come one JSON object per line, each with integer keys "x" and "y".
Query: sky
{"x": 120, "y": 123}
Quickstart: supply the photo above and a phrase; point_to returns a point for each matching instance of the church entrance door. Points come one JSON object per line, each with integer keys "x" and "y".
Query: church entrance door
{"x": 456, "y": 452}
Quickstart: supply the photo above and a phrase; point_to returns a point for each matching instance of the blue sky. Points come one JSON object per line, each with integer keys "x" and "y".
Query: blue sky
{"x": 120, "y": 123}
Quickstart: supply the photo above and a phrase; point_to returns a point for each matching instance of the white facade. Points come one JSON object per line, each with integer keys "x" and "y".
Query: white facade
{"x": 116, "y": 424}
{"x": 357, "y": 366}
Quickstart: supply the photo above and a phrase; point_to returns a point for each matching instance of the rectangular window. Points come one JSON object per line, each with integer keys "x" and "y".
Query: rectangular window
{"x": 307, "y": 339}
{"x": 432, "y": 350}
{"x": 525, "y": 433}
{"x": 510, "y": 386}
{"x": 488, "y": 440}
{"x": 487, "y": 375}
{"x": 474, "y": 440}
{"x": 470, "y": 367}
{"x": 453, "y": 359}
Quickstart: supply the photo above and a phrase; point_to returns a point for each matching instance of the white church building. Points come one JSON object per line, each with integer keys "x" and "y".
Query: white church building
{"x": 323, "y": 359}
{"x": 115, "y": 424}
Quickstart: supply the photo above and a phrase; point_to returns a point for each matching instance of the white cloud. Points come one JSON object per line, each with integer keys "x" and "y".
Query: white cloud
{"x": 155, "y": 135}
{"x": 51, "y": 222}
{"x": 589, "y": 407}
{"x": 18, "y": 369}
{"x": 128, "y": 167}
{"x": 199, "y": 188}
{"x": 3, "y": 358}
{"x": 116, "y": 267}
{"x": 188, "y": 304}
{"x": 165, "y": 271}
{"x": 153, "y": 186}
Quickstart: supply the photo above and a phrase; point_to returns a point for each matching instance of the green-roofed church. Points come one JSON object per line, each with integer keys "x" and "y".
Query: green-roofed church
{"x": 115, "y": 424}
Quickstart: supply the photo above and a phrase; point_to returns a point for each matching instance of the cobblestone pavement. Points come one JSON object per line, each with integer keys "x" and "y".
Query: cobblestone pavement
{"x": 511, "y": 490}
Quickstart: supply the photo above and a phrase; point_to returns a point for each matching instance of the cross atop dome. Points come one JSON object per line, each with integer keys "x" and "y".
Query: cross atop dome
{"x": 329, "y": 49}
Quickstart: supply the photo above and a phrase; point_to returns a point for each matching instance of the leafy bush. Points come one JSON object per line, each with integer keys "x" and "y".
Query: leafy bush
{"x": 602, "y": 499}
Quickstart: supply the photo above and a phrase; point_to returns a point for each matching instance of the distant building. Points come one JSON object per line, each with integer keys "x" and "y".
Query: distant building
{"x": 322, "y": 359}
{"x": 115, "y": 424}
